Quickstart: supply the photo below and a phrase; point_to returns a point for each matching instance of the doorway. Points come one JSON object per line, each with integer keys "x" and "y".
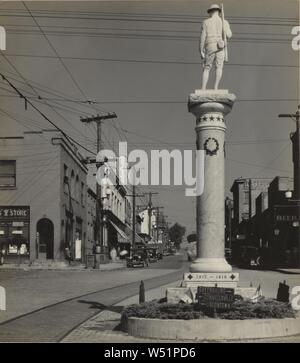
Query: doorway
{"x": 45, "y": 230}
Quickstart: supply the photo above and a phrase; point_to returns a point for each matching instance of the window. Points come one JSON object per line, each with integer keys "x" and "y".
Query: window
{"x": 66, "y": 180}
{"x": 77, "y": 189}
{"x": 82, "y": 194}
{"x": 72, "y": 185}
{"x": 7, "y": 173}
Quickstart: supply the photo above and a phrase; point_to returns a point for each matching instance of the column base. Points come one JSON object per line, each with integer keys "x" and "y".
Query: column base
{"x": 210, "y": 265}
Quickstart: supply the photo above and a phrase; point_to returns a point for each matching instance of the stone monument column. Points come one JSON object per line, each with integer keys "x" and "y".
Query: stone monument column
{"x": 210, "y": 108}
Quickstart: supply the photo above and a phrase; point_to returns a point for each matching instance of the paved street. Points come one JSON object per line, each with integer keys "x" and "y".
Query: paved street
{"x": 50, "y": 304}
{"x": 38, "y": 298}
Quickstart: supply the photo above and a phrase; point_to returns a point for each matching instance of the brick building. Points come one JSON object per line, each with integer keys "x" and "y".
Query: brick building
{"x": 244, "y": 192}
{"x": 42, "y": 197}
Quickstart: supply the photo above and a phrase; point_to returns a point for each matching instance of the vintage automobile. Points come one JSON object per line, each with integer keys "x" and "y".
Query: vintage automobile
{"x": 159, "y": 255}
{"x": 152, "y": 255}
{"x": 247, "y": 257}
{"x": 136, "y": 259}
{"x": 228, "y": 255}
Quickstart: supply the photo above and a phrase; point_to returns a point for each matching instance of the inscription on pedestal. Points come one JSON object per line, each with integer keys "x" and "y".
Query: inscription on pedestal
{"x": 211, "y": 277}
{"x": 215, "y": 298}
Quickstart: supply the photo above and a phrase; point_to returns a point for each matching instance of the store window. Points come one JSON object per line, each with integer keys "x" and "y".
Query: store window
{"x": 66, "y": 180}
{"x": 7, "y": 173}
{"x": 72, "y": 185}
{"x": 82, "y": 194}
{"x": 77, "y": 189}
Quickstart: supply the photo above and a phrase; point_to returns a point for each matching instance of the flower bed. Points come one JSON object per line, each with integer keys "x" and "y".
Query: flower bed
{"x": 241, "y": 310}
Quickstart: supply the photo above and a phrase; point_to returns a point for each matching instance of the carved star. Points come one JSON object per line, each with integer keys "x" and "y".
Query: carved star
{"x": 211, "y": 118}
{"x": 219, "y": 118}
{"x": 204, "y": 118}
{"x": 190, "y": 276}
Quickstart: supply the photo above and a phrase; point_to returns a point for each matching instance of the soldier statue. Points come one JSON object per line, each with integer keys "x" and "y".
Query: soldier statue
{"x": 213, "y": 44}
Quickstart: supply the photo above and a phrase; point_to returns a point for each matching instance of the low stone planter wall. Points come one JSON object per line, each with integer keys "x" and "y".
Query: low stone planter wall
{"x": 213, "y": 329}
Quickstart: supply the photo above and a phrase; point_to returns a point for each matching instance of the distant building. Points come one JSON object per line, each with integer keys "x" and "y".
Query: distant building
{"x": 42, "y": 197}
{"x": 148, "y": 224}
{"x": 117, "y": 229}
{"x": 245, "y": 191}
{"x": 274, "y": 227}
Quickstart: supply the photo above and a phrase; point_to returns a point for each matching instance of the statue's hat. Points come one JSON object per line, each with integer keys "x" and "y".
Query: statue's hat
{"x": 214, "y": 7}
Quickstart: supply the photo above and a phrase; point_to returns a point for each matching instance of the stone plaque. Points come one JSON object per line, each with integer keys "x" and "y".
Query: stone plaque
{"x": 210, "y": 277}
{"x": 216, "y": 298}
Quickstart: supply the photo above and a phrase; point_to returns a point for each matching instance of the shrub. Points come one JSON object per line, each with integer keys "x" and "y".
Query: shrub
{"x": 241, "y": 310}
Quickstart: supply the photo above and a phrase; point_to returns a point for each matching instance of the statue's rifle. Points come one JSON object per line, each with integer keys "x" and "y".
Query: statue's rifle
{"x": 224, "y": 34}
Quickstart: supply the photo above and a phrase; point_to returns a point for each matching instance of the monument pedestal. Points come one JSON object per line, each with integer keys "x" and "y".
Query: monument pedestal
{"x": 210, "y": 268}
{"x": 210, "y": 108}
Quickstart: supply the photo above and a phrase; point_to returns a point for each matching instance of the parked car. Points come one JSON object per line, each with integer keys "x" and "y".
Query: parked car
{"x": 152, "y": 254}
{"x": 228, "y": 255}
{"x": 248, "y": 256}
{"x": 136, "y": 259}
{"x": 159, "y": 255}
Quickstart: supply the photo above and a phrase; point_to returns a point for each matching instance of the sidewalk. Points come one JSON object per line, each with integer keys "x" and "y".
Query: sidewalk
{"x": 102, "y": 328}
{"x": 62, "y": 266}
{"x": 292, "y": 271}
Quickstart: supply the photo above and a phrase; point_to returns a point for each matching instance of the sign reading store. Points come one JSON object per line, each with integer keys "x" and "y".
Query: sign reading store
{"x": 18, "y": 212}
{"x": 14, "y": 231}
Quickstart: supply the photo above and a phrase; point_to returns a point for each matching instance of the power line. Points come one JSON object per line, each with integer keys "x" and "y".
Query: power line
{"x": 150, "y": 61}
{"x": 151, "y": 15}
{"x": 242, "y": 40}
{"x": 10, "y": 25}
{"x": 55, "y": 51}
{"x": 152, "y": 20}
{"x": 27, "y": 101}
{"x": 39, "y": 98}
{"x": 58, "y": 56}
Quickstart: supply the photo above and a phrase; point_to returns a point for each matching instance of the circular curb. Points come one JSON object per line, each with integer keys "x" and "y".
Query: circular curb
{"x": 213, "y": 329}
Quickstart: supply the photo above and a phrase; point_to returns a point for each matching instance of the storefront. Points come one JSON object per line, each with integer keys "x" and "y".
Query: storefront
{"x": 15, "y": 232}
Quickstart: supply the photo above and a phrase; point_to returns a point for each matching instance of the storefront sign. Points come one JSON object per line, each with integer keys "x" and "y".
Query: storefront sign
{"x": 14, "y": 213}
{"x": 286, "y": 218}
{"x": 18, "y": 224}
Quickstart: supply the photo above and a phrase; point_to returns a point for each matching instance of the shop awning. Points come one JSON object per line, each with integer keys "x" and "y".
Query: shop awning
{"x": 124, "y": 236}
{"x": 138, "y": 238}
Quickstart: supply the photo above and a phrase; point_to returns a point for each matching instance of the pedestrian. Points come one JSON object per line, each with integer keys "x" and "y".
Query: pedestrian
{"x": 146, "y": 257}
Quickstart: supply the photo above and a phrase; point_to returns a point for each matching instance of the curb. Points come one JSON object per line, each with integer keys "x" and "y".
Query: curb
{"x": 30, "y": 268}
{"x": 213, "y": 329}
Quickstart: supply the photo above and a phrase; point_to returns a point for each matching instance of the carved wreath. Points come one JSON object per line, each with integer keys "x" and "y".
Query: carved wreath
{"x": 211, "y": 146}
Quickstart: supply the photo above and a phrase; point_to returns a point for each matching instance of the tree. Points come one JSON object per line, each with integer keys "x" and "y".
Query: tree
{"x": 176, "y": 232}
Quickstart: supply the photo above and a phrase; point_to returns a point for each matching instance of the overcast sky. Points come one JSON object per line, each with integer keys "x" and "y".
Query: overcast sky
{"x": 142, "y": 62}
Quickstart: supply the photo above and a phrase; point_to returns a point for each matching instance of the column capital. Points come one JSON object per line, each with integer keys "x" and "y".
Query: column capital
{"x": 202, "y": 102}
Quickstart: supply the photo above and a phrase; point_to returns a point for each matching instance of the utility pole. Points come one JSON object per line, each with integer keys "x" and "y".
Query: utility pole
{"x": 149, "y": 207}
{"x": 228, "y": 203}
{"x": 99, "y": 207}
{"x": 157, "y": 221}
{"x": 295, "y": 137}
{"x": 134, "y": 195}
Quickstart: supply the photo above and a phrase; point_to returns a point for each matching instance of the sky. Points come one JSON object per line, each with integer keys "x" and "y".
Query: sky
{"x": 140, "y": 60}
